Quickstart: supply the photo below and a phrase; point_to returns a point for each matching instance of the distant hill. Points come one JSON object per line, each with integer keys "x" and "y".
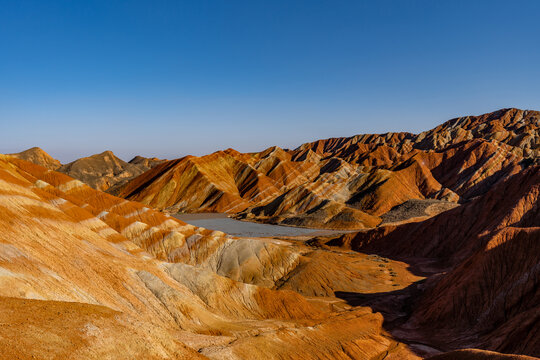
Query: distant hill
{"x": 146, "y": 163}
{"x": 38, "y": 156}
{"x": 105, "y": 171}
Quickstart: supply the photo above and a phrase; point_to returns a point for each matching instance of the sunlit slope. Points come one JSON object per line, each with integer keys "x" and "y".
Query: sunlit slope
{"x": 104, "y": 277}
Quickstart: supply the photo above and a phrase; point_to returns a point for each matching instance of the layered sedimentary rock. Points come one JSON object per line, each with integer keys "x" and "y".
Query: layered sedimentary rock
{"x": 87, "y": 275}
{"x": 514, "y": 127}
{"x": 448, "y": 256}
{"x": 484, "y": 264}
{"x": 349, "y": 183}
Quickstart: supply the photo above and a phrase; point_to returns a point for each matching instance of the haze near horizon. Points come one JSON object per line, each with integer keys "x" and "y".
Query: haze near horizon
{"x": 169, "y": 79}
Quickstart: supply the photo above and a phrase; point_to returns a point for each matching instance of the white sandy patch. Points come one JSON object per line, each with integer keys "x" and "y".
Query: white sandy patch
{"x": 93, "y": 223}
{"x": 40, "y": 184}
{"x": 91, "y": 330}
{"x": 107, "y": 231}
{"x": 137, "y": 212}
{"x": 73, "y": 184}
{"x": 134, "y": 228}
{"x": 7, "y": 273}
{"x": 51, "y": 273}
{"x": 19, "y": 201}
{"x": 58, "y": 202}
{"x": 9, "y": 252}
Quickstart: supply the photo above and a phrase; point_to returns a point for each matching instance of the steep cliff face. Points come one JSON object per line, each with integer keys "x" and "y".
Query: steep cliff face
{"x": 513, "y": 127}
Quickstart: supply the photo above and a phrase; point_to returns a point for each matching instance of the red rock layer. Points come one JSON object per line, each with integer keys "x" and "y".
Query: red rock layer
{"x": 488, "y": 295}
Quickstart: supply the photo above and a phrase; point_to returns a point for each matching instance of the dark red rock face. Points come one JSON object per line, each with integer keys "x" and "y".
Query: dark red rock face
{"x": 487, "y": 292}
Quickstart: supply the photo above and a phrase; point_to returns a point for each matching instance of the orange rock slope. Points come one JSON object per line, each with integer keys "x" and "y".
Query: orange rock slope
{"x": 348, "y": 183}
{"x": 86, "y": 275}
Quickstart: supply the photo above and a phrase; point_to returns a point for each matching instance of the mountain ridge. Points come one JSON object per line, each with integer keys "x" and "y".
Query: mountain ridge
{"x": 343, "y": 182}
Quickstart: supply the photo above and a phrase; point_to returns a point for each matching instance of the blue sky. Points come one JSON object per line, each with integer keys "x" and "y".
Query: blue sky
{"x": 170, "y": 78}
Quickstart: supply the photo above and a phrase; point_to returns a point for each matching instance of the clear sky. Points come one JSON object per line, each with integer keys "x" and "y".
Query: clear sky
{"x": 170, "y": 78}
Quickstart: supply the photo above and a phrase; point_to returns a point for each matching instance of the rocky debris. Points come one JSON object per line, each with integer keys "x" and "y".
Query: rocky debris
{"x": 416, "y": 208}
